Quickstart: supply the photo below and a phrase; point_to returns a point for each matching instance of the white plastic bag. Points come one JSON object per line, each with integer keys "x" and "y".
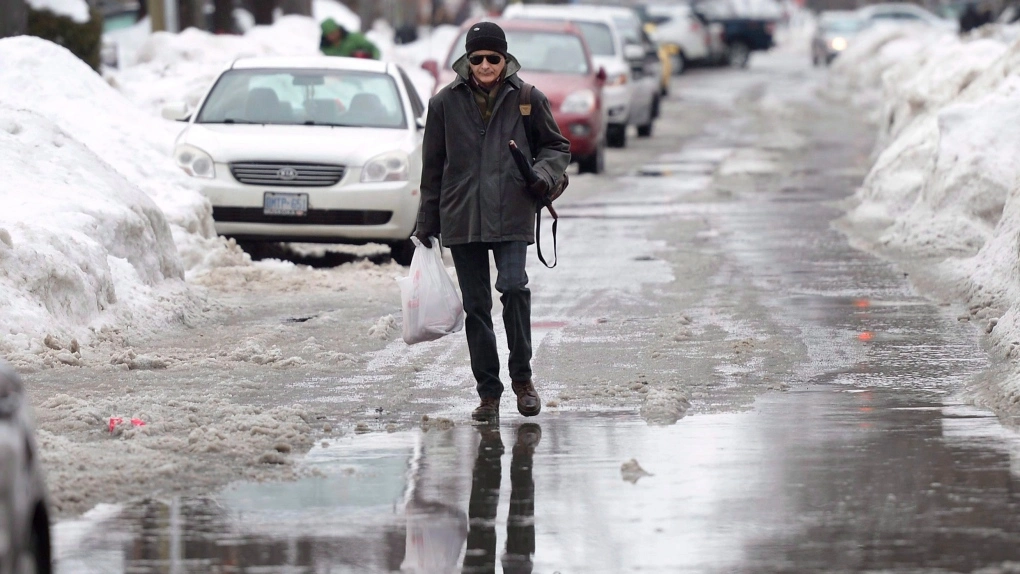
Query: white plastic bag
{"x": 431, "y": 305}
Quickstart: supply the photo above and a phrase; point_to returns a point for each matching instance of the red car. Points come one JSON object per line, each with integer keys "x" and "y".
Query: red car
{"x": 554, "y": 58}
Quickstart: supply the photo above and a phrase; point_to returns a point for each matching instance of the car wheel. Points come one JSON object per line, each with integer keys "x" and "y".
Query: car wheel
{"x": 679, "y": 64}
{"x": 645, "y": 130}
{"x": 402, "y": 251}
{"x": 259, "y": 250}
{"x": 595, "y": 162}
{"x": 739, "y": 55}
{"x": 616, "y": 135}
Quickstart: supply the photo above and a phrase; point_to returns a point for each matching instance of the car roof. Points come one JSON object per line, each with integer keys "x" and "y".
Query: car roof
{"x": 524, "y": 25}
{"x": 564, "y": 26}
{"x": 838, "y": 14}
{"x": 892, "y": 7}
{"x": 611, "y": 10}
{"x": 312, "y": 63}
{"x": 558, "y": 11}
{"x": 667, "y": 8}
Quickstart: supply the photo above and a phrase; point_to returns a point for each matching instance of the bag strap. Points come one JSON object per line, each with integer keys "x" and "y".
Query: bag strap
{"x": 525, "y": 106}
{"x": 538, "y": 237}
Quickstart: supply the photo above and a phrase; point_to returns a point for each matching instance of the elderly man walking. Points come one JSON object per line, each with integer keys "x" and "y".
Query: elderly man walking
{"x": 474, "y": 198}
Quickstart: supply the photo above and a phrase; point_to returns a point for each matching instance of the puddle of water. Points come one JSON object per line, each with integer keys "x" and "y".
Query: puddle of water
{"x": 676, "y": 168}
{"x": 822, "y": 479}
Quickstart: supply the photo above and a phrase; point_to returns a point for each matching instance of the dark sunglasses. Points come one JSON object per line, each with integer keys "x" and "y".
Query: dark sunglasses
{"x": 492, "y": 58}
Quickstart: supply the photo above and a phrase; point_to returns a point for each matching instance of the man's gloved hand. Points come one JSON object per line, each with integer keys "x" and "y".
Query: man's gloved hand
{"x": 425, "y": 238}
{"x": 540, "y": 188}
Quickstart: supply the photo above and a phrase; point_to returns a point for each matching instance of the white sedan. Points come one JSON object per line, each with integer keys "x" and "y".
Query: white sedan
{"x": 311, "y": 149}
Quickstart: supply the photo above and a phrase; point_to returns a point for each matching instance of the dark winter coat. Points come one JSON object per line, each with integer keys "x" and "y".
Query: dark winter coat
{"x": 471, "y": 189}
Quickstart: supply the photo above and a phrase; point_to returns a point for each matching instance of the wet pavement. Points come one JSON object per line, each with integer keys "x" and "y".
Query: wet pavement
{"x": 819, "y": 479}
{"x": 863, "y": 458}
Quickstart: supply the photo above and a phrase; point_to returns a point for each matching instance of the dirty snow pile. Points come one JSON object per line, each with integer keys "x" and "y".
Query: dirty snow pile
{"x": 945, "y": 180}
{"x": 99, "y": 228}
{"x": 170, "y": 67}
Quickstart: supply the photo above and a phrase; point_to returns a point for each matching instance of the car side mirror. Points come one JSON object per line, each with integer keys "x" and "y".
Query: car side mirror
{"x": 432, "y": 67}
{"x": 176, "y": 111}
{"x": 420, "y": 122}
{"x": 601, "y": 76}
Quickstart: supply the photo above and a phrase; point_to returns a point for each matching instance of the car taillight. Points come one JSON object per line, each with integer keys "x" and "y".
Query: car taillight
{"x": 695, "y": 26}
{"x": 770, "y": 27}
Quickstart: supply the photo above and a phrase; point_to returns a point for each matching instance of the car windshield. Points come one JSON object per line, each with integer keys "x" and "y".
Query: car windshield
{"x": 551, "y": 52}
{"x": 597, "y": 35}
{"x": 630, "y": 29}
{"x": 841, "y": 25}
{"x": 304, "y": 97}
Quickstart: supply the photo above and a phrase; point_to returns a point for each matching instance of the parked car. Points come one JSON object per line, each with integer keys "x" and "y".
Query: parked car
{"x": 642, "y": 53}
{"x": 631, "y": 91}
{"x": 904, "y": 13}
{"x": 309, "y": 149}
{"x": 555, "y": 58}
{"x": 836, "y": 29}
{"x": 24, "y": 510}
{"x": 677, "y": 26}
{"x": 741, "y": 32}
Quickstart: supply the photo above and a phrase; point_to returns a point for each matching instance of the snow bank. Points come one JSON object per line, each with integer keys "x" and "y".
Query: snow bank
{"x": 77, "y": 10}
{"x": 945, "y": 180}
{"x": 98, "y": 225}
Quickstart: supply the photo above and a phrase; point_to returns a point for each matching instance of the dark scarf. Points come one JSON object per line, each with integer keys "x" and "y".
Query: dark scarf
{"x": 486, "y": 99}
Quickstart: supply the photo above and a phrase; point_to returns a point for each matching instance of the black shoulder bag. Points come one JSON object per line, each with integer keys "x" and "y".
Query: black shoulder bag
{"x": 554, "y": 192}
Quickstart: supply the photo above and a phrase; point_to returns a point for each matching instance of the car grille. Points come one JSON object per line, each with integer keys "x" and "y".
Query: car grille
{"x": 287, "y": 174}
{"x": 314, "y": 216}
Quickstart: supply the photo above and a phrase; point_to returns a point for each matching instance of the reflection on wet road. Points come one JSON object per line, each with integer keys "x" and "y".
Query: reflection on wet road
{"x": 825, "y": 478}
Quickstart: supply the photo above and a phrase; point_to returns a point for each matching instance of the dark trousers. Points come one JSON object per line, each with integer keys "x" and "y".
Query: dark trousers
{"x": 472, "y": 263}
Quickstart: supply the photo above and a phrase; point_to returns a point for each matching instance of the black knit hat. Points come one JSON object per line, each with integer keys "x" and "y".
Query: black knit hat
{"x": 486, "y": 36}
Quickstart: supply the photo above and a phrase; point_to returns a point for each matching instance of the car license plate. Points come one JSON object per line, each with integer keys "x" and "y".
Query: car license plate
{"x": 295, "y": 204}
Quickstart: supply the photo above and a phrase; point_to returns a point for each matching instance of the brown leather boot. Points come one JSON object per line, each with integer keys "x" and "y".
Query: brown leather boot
{"x": 528, "y": 403}
{"x": 487, "y": 410}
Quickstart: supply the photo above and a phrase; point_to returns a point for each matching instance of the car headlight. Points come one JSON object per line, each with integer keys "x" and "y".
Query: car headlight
{"x": 838, "y": 44}
{"x": 386, "y": 167}
{"x": 580, "y": 102}
{"x": 194, "y": 161}
{"x": 617, "y": 80}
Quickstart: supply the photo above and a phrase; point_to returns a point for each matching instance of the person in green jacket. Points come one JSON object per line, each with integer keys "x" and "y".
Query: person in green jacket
{"x": 337, "y": 41}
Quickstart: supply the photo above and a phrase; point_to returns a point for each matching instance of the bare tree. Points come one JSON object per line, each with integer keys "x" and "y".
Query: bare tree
{"x": 302, "y": 7}
{"x": 262, "y": 10}
{"x": 223, "y": 17}
{"x": 13, "y": 18}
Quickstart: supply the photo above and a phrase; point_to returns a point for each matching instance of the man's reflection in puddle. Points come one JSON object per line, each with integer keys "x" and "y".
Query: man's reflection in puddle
{"x": 520, "y": 528}
{"x": 436, "y": 531}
